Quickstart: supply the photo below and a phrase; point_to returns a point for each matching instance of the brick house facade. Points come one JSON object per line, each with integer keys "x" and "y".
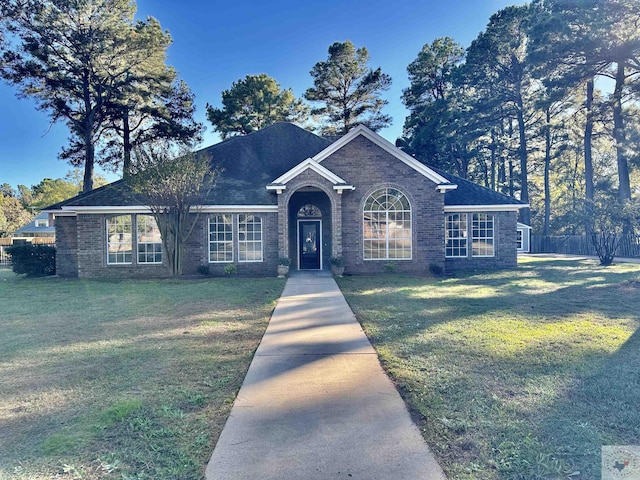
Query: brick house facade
{"x": 285, "y": 192}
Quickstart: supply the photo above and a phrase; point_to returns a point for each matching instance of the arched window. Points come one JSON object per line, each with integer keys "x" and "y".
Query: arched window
{"x": 387, "y": 225}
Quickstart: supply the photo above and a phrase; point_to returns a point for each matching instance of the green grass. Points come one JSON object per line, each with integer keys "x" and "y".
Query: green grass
{"x": 513, "y": 375}
{"x": 122, "y": 379}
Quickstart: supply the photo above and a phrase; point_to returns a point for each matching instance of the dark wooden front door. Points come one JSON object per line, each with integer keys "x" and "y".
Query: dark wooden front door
{"x": 309, "y": 245}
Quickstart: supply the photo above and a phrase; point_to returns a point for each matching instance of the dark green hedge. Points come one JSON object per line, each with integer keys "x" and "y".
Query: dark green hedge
{"x": 34, "y": 260}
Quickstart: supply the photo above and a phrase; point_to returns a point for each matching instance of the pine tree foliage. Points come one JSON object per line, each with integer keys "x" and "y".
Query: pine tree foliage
{"x": 253, "y": 103}
{"x": 348, "y": 91}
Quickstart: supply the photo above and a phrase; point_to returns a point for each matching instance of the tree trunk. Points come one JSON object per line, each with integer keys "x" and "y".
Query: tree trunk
{"x": 89, "y": 156}
{"x": 588, "y": 157}
{"x": 87, "y": 135}
{"x": 126, "y": 143}
{"x": 493, "y": 147}
{"x": 618, "y": 136}
{"x": 547, "y": 171}
{"x": 525, "y": 213}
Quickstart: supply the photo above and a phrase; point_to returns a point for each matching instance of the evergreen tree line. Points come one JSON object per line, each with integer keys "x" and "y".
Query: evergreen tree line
{"x": 541, "y": 106}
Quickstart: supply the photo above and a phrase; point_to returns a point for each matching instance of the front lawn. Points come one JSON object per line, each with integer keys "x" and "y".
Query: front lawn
{"x": 126, "y": 380}
{"x": 513, "y": 375}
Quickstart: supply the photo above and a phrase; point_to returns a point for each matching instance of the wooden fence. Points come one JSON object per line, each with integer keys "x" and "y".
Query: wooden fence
{"x": 581, "y": 245}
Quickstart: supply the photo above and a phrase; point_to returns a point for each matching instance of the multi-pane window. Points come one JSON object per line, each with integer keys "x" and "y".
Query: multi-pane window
{"x": 519, "y": 240}
{"x": 149, "y": 240}
{"x": 220, "y": 238}
{"x": 119, "y": 240}
{"x": 249, "y": 238}
{"x": 387, "y": 225}
{"x": 482, "y": 227}
{"x": 456, "y": 235}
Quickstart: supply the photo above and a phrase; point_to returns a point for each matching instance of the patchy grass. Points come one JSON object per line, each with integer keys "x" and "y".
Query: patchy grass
{"x": 123, "y": 379}
{"x": 513, "y": 375}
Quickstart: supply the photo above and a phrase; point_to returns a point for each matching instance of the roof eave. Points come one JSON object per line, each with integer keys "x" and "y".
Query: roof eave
{"x": 504, "y": 207}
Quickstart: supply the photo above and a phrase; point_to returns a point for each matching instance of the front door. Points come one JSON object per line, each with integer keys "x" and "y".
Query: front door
{"x": 309, "y": 251}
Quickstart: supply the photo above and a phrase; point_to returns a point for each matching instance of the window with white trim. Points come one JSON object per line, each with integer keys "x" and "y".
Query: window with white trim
{"x": 387, "y": 225}
{"x": 482, "y": 239}
{"x": 221, "y": 238}
{"x": 119, "y": 240}
{"x": 149, "y": 241}
{"x": 456, "y": 235}
{"x": 249, "y": 238}
{"x": 519, "y": 239}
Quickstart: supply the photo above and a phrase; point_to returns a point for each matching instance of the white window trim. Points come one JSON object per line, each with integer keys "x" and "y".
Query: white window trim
{"x": 138, "y": 242}
{"x": 493, "y": 236}
{"x": 466, "y": 222}
{"x": 209, "y": 242}
{"x": 251, "y": 241}
{"x": 106, "y": 224}
{"x": 386, "y": 258}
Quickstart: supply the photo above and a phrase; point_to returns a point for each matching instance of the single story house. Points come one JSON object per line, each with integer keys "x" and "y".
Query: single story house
{"x": 286, "y": 192}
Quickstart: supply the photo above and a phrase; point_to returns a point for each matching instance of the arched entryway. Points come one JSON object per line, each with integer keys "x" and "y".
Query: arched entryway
{"x": 309, "y": 236}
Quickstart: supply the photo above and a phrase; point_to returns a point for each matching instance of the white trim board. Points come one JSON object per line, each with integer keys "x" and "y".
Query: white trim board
{"x": 509, "y": 207}
{"x": 81, "y": 210}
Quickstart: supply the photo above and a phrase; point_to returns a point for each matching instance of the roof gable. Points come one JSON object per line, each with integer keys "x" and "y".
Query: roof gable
{"x": 338, "y": 183}
{"x": 384, "y": 144}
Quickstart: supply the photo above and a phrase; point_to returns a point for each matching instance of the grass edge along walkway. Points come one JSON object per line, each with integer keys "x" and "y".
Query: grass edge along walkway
{"x": 122, "y": 379}
{"x": 517, "y": 374}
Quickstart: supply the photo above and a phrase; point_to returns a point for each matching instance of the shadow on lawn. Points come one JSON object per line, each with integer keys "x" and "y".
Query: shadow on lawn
{"x": 590, "y": 289}
{"x": 77, "y": 347}
{"x": 600, "y": 409}
{"x": 552, "y": 402}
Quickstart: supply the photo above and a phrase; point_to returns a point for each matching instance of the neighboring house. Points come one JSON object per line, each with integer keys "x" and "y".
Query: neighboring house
{"x": 37, "y": 230}
{"x": 285, "y": 192}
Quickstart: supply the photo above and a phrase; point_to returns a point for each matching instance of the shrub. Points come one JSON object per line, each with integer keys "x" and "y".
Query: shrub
{"x": 337, "y": 261}
{"x": 203, "y": 269}
{"x": 285, "y": 261}
{"x": 230, "y": 269}
{"x": 33, "y": 260}
{"x": 390, "y": 267}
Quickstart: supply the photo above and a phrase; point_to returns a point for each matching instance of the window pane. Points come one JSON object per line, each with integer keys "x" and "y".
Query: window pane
{"x": 456, "y": 235}
{"x": 119, "y": 240}
{"x": 149, "y": 240}
{"x": 249, "y": 238}
{"x": 220, "y": 238}
{"x": 483, "y": 235}
{"x": 387, "y": 226}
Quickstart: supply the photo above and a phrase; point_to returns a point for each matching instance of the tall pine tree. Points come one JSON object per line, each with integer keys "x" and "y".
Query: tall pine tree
{"x": 348, "y": 91}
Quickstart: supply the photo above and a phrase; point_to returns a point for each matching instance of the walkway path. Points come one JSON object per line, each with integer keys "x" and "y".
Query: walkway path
{"x": 316, "y": 404}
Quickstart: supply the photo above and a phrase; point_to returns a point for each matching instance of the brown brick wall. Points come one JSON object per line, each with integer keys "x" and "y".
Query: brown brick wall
{"x": 92, "y": 251}
{"x": 368, "y": 167}
{"x": 269, "y": 248}
{"x": 66, "y": 247}
{"x": 504, "y": 248}
{"x": 361, "y": 163}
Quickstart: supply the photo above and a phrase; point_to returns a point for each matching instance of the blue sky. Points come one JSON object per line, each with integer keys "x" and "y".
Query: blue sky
{"x": 216, "y": 43}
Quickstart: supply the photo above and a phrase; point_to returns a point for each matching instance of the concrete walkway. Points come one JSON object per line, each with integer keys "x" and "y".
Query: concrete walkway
{"x": 316, "y": 404}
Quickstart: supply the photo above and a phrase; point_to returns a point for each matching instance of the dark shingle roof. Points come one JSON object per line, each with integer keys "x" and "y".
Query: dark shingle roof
{"x": 249, "y": 163}
{"x": 469, "y": 193}
{"x": 246, "y": 164}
